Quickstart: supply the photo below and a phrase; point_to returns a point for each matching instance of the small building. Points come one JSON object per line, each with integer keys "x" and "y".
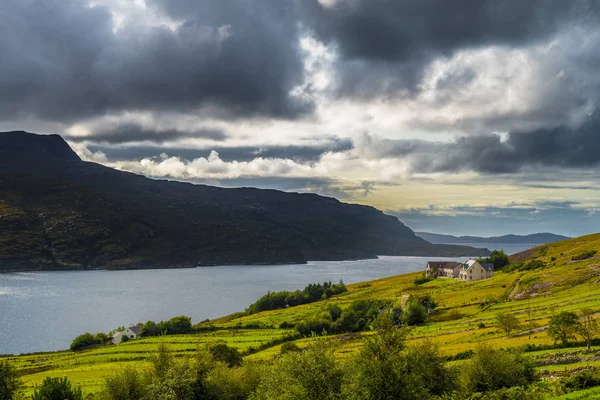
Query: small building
{"x": 132, "y": 333}
{"x": 445, "y": 269}
{"x": 473, "y": 270}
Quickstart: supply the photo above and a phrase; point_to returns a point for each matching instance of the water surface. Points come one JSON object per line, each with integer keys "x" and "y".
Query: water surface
{"x": 45, "y": 311}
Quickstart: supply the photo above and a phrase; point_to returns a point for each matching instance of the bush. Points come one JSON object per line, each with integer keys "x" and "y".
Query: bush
{"x": 585, "y": 255}
{"x": 315, "y": 326}
{"x": 386, "y": 369}
{"x": 311, "y": 293}
{"x": 490, "y": 369}
{"x": 286, "y": 325}
{"x": 335, "y": 311}
{"x": 228, "y": 355}
{"x": 414, "y": 313}
{"x": 85, "y": 340}
{"x": 11, "y": 386}
{"x": 422, "y": 279}
{"x": 531, "y": 265}
{"x": 57, "y": 389}
{"x": 581, "y": 380}
{"x": 313, "y": 374}
{"x": 127, "y": 384}
{"x": 289, "y": 347}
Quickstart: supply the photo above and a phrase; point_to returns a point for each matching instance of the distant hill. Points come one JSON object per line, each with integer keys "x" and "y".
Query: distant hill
{"x": 58, "y": 212}
{"x": 534, "y": 239}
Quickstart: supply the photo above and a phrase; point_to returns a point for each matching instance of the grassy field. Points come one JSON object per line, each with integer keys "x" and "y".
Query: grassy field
{"x": 464, "y": 318}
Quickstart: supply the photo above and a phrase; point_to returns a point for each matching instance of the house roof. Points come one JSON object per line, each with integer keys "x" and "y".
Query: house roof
{"x": 444, "y": 264}
{"x": 136, "y": 329}
{"x": 488, "y": 266}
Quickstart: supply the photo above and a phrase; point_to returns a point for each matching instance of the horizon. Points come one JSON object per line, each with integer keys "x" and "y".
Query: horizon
{"x": 462, "y": 119}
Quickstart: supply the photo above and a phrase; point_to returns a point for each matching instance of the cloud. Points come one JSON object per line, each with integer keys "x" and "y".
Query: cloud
{"x": 66, "y": 61}
{"x": 127, "y": 133}
{"x": 385, "y": 45}
{"x": 567, "y": 218}
{"x": 557, "y": 147}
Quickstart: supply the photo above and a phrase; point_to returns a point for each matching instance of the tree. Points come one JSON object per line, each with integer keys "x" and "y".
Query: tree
{"x": 414, "y": 313}
{"x": 334, "y": 310}
{"x": 57, "y": 389}
{"x": 563, "y": 327}
{"x": 85, "y": 340}
{"x": 508, "y": 322}
{"x": 498, "y": 258}
{"x": 150, "y": 329}
{"x": 179, "y": 325}
{"x": 10, "y": 385}
{"x": 228, "y": 355}
{"x": 588, "y": 326}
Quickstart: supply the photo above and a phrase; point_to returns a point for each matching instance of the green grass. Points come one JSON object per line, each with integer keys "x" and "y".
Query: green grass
{"x": 588, "y": 394}
{"x": 561, "y": 285}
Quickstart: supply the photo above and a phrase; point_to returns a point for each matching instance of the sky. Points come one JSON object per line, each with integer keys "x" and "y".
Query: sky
{"x": 469, "y": 117}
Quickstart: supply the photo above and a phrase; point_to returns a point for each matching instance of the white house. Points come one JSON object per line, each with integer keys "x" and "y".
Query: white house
{"x": 473, "y": 270}
{"x": 132, "y": 333}
{"x": 446, "y": 269}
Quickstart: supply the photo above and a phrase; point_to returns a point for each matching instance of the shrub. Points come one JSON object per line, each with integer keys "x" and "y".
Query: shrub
{"x": 531, "y": 265}
{"x": 11, "y": 386}
{"x": 313, "y": 374}
{"x": 422, "y": 279}
{"x": 314, "y": 326}
{"x": 414, "y": 313}
{"x": 286, "y": 325}
{"x": 127, "y": 384}
{"x": 57, "y": 389}
{"x": 288, "y": 347}
{"x": 386, "y": 369}
{"x": 334, "y": 310}
{"x": 228, "y": 355}
{"x": 490, "y": 369}
{"x": 311, "y": 293}
{"x": 581, "y": 380}
{"x": 85, "y": 340}
{"x": 585, "y": 255}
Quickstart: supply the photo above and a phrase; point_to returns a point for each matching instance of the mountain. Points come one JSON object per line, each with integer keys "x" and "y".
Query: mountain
{"x": 535, "y": 238}
{"x": 59, "y": 212}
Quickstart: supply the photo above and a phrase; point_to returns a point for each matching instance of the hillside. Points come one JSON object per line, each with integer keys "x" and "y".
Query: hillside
{"x": 464, "y": 318}
{"x": 534, "y": 238}
{"x": 58, "y": 212}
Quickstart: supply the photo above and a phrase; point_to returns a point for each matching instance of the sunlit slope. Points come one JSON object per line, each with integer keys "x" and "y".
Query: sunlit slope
{"x": 465, "y": 316}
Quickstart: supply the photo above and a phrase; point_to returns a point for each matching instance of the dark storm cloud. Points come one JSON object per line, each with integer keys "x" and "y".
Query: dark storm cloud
{"x": 227, "y": 154}
{"x": 61, "y": 60}
{"x": 128, "y": 133}
{"x": 395, "y": 40}
{"x": 556, "y": 147}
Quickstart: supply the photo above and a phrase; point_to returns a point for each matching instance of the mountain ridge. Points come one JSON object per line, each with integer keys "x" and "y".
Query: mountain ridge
{"x": 534, "y": 238}
{"x": 59, "y": 212}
